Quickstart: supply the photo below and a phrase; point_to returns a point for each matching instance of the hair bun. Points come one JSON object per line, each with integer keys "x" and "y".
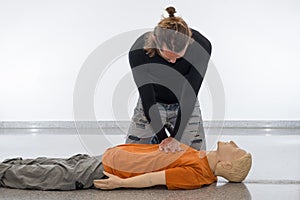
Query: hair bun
{"x": 171, "y": 10}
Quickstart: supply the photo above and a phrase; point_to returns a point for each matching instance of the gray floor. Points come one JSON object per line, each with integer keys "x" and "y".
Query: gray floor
{"x": 275, "y": 173}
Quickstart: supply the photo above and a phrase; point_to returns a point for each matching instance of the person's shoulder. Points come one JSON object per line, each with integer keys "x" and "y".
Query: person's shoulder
{"x": 196, "y": 35}
{"x": 201, "y": 39}
{"x": 139, "y": 42}
{"x": 137, "y": 54}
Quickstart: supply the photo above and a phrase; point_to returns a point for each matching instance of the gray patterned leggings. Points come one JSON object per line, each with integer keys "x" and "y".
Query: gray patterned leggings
{"x": 140, "y": 131}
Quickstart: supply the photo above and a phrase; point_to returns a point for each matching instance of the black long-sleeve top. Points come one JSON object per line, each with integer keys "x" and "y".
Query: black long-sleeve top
{"x": 160, "y": 74}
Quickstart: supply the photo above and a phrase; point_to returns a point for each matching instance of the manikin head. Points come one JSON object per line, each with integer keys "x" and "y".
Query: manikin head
{"x": 233, "y": 163}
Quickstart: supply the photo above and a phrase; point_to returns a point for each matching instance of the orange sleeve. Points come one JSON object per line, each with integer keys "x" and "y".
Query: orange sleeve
{"x": 184, "y": 177}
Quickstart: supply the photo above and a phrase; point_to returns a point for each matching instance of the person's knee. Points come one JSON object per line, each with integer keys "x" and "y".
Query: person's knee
{"x": 198, "y": 144}
{"x": 132, "y": 139}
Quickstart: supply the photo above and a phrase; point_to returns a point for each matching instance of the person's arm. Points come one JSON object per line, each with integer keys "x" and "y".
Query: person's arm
{"x": 140, "y": 181}
{"x": 146, "y": 92}
{"x": 195, "y": 78}
{"x": 187, "y": 102}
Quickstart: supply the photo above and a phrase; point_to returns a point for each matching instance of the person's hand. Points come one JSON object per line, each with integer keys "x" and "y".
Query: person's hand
{"x": 107, "y": 184}
{"x": 170, "y": 144}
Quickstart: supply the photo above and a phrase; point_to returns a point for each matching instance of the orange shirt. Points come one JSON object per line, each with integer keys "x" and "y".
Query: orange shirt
{"x": 184, "y": 170}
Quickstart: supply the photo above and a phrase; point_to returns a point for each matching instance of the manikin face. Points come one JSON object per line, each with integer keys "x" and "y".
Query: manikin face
{"x": 229, "y": 151}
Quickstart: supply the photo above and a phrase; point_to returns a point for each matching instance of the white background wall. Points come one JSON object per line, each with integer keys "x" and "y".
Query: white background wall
{"x": 43, "y": 45}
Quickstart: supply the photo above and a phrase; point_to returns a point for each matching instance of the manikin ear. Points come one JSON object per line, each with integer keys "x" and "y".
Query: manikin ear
{"x": 226, "y": 164}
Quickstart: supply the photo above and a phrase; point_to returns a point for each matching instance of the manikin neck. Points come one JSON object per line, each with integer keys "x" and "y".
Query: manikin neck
{"x": 212, "y": 158}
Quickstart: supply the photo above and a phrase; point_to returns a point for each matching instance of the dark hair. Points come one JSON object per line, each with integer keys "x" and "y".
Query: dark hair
{"x": 171, "y": 11}
{"x": 172, "y": 30}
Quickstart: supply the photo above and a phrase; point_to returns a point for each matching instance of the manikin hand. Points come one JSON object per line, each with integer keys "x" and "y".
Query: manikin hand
{"x": 107, "y": 184}
{"x": 170, "y": 144}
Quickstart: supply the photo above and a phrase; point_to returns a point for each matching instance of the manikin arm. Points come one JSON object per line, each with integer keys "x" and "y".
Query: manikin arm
{"x": 140, "y": 181}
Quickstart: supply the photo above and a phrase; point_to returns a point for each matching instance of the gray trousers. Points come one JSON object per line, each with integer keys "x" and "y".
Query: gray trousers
{"x": 76, "y": 172}
{"x": 141, "y": 132}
